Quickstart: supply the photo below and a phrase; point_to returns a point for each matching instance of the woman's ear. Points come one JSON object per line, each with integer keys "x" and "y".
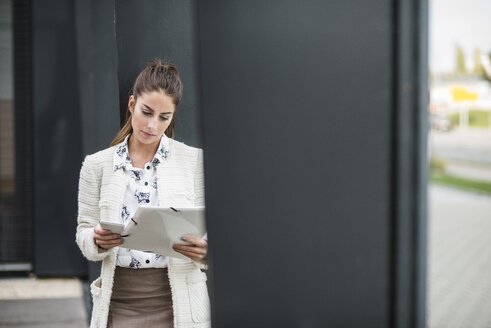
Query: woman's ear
{"x": 131, "y": 104}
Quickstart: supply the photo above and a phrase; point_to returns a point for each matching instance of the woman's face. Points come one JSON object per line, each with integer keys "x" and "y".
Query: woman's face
{"x": 151, "y": 115}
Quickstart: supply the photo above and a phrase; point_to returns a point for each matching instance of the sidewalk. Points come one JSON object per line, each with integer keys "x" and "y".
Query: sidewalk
{"x": 42, "y": 303}
{"x": 461, "y": 145}
{"x": 459, "y": 259}
{"x": 478, "y": 172}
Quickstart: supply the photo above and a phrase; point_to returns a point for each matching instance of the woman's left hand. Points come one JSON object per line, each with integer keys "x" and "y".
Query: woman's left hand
{"x": 196, "y": 252}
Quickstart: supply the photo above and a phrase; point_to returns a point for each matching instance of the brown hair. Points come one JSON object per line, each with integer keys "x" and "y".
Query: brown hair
{"x": 156, "y": 76}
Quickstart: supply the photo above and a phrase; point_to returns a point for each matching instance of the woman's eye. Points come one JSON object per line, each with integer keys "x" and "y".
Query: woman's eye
{"x": 147, "y": 113}
{"x": 164, "y": 118}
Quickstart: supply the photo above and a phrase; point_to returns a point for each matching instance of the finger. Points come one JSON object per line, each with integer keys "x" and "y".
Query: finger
{"x": 109, "y": 244}
{"x": 191, "y": 255}
{"x": 102, "y": 233}
{"x": 196, "y": 241}
{"x": 111, "y": 236}
{"x": 191, "y": 249}
{"x": 113, "y": 240}
{"x": 99, "y": 230}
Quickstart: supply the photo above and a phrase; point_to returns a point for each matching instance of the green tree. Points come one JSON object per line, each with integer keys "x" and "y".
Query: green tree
{"x": 460, "y": 67}
{"x": 478, "y": 67}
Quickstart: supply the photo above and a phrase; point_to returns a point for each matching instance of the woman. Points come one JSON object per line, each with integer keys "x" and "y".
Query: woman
{"x": 144, "y": 166}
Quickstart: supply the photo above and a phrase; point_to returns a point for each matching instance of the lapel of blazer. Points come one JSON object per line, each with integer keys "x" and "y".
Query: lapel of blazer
{"x": 117, "y": 182}
{"x": 167, "y": 171}
{"x": 164, "y": 172}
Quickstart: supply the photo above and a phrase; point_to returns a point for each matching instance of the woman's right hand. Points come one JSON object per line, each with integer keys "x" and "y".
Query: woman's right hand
{"x": 105, "y": 238}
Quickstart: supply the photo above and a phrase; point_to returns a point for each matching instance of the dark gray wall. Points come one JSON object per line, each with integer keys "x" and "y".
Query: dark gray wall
{"x": 57, "y": 144}
{"x": 165, "y": 30}
{"x": 97, "y": 60}
{"x": 298, "y": 107}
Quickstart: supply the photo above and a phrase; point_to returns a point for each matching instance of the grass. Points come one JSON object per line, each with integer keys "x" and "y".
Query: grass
{"x": 463, "y": 183}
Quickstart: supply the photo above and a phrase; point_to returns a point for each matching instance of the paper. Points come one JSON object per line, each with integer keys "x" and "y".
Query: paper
{"x": 112, "y": 226}
{"x": 157, "y": 229}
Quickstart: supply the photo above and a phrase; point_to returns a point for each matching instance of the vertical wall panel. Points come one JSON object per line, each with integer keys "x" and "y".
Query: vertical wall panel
{"x": 15, "y": 133}
{"x": 57, "y": 139}
{"x": 410, "y": 163}
{"x": 98, "y": 73}
{"x": 297, "y": 127}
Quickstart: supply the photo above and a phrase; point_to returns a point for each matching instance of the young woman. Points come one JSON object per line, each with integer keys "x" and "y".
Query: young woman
{"x": 144, "y": 166}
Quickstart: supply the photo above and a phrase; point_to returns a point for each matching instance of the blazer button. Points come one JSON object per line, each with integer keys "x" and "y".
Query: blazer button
{"x": 147, "y": 200}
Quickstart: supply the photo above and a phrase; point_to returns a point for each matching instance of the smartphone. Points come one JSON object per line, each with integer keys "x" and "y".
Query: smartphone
{"x": 113, "y": 226}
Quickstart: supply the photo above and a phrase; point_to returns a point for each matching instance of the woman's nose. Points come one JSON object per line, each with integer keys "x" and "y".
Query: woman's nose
{"x": 152, "y": 123}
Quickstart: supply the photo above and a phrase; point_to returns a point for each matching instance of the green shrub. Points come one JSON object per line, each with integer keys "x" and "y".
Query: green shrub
{"x": 477, "y": 118}
{"x": 437, "y": 165}
{"x": 455, "y": 119}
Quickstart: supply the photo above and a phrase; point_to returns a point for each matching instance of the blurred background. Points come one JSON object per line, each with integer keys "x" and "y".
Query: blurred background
{"x": 459, "y": 148}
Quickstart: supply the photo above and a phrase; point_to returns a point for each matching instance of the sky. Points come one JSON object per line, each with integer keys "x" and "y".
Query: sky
{"x": 463, "y": 22}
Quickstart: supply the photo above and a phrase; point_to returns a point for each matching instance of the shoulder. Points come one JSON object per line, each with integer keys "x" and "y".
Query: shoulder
{"x": 100, "y": 159}
{"x": 180, "y": 147}
{"x": 180, "y": 150}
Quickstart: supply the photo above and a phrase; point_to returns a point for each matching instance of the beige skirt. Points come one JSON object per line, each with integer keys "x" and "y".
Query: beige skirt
{"x": 140, "y": 298}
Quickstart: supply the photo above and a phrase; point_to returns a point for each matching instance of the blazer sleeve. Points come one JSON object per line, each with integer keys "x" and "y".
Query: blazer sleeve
{"x": 88, "y": 212}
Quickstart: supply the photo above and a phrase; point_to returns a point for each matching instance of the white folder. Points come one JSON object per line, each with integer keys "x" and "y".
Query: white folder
{"x": 157, "y": 229}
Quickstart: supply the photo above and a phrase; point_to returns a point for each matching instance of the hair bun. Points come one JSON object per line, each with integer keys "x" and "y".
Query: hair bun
{"x": 159, "y": 75}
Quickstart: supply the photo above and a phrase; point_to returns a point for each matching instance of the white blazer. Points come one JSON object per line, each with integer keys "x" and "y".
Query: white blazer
{"x": 101, "y": 190}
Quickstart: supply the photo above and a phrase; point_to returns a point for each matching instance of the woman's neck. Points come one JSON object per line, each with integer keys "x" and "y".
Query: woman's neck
{"x": 140, "y": 153}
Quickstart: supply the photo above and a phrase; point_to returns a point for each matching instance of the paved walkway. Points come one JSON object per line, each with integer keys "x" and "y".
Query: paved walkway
{"x": 41, "y": 303}
{"x": 471, "y": 146}
{"x": 459, "y": 259}
{"x": 479, "y": 172}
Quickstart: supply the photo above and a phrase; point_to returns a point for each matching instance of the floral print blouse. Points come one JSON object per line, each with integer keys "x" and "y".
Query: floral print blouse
{"x": 141, "y": 191}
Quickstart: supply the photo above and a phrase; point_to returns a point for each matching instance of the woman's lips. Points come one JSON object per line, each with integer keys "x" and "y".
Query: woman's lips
{"x": 148, "y": 135}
